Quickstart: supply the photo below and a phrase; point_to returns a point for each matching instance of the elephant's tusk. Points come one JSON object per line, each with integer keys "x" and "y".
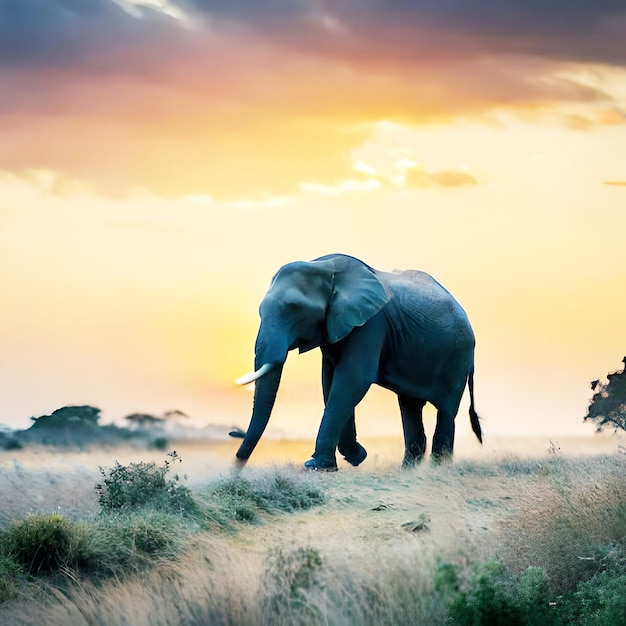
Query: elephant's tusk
{"x": 252, "y": 376}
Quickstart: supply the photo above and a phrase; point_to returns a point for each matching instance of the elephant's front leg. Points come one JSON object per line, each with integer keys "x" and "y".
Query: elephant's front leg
{"x": 348, "y": 446}
{"x": 338, "y": 415}
{"x": 351, "y": 449}
{"x": 351, "y": 380}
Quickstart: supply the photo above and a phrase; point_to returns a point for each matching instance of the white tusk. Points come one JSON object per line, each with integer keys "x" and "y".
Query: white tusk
{"x": 252, "y": 376}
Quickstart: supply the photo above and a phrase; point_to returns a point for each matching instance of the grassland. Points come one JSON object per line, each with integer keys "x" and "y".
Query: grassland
{"x": 511, "y": 540}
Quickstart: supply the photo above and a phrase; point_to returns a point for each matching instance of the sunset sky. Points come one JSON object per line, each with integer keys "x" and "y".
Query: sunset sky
{"x": 159, "y": 160}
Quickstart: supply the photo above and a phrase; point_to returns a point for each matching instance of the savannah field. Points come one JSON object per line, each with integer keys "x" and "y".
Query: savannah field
{"x": 530, "y": 537}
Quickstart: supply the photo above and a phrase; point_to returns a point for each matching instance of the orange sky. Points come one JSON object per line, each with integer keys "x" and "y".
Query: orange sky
{"x": 159, "y": 164}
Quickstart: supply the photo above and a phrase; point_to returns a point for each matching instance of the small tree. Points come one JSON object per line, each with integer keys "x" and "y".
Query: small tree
{"x": 608, "y": 405}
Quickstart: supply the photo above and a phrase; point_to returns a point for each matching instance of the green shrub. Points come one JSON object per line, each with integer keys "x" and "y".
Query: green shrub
{"x": 139, "y": 485}
{"x": 47, "y": 543}
{"x": 495, "y": 596}
{"x": 600, "y": 601}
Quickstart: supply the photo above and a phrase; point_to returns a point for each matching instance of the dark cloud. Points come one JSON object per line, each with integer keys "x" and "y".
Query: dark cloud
{"x": 74, "y": 32}
{"x": 253, "y": 10}
{"x": 577, "y": 30}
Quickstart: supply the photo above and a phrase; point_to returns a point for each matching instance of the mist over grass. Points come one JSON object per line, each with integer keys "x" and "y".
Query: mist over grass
{"x": 458, "y": 543}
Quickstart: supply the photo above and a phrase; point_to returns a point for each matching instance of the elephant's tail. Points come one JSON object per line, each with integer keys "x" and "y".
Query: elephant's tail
{"x": 474, "y": 419}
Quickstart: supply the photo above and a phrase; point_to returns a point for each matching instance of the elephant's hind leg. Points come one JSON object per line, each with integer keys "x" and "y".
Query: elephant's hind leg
{"x": 414, "y": 435}
{"x": 443, "y": 439}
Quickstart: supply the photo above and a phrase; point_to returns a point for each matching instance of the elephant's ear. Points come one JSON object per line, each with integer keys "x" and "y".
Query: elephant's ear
{"x": 357, "y": 295}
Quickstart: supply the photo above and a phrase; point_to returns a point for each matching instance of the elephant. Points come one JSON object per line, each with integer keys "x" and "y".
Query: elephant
{"x": 401, "y": 330}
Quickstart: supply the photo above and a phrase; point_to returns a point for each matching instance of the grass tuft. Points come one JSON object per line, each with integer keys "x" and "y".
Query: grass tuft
{"x": 125, "y": 542}
{"x": 46, "y": 543}
{"x": 243, "y": 500}
{"x": 10, "y": 575}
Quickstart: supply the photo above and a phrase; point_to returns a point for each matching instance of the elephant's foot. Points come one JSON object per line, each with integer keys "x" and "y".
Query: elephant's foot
{"x": 441, "y": 458}
{"x": 356, "y": 455}
{"x": 414, "y": 454}
{"x": 319, "y": 466}
{"x": 410, "y": 461}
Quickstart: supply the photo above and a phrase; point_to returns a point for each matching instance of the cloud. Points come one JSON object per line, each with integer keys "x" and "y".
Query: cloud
{"x": 344, "y": 187}
{"x": 407, "y": 173}
{"x": 249, "y": 99}
{"x": 419, "y": 178}
{"x": 616, "y": 183}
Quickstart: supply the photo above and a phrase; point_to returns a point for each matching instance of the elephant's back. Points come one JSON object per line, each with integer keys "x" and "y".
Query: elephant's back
{"x": 415, "y": 284}
{"x": 419, "y": 299}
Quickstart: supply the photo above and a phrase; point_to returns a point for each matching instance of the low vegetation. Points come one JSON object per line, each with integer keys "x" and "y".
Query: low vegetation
{"x": 146, "y": 516}
{"x": 535, "y": 541}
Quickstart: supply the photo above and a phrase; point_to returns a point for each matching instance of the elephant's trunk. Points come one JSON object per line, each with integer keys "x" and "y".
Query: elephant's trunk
{"x": 264, "y": 396}
{"x": 271, "y": 350}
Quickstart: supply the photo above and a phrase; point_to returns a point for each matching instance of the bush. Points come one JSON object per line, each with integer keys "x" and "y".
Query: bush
{"x": 600, "y": 601}
{"x": 141, "y": 484}
{"x": 495, "y": 596}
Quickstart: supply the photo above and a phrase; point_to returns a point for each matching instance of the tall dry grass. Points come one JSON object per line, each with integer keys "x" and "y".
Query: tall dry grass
{"x": 569, "y": 515}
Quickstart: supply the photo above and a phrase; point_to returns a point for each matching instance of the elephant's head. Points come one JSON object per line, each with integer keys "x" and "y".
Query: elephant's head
{"x": 307, "y": 304}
